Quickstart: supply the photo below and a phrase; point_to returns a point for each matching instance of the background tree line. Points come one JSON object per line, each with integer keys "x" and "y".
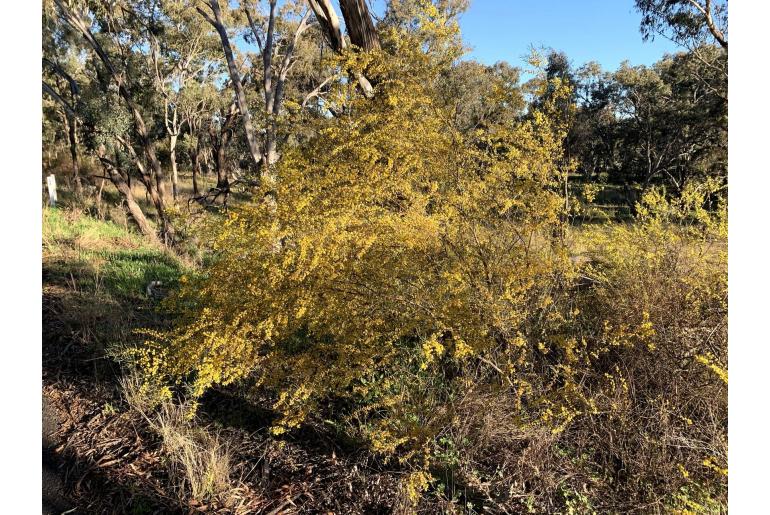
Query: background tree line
{"x": 136, "y": 89}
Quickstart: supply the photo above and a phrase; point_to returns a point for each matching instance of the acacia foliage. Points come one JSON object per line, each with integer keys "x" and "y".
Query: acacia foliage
{"x": 412, "y": 287}
{"x": 395, "y": 238}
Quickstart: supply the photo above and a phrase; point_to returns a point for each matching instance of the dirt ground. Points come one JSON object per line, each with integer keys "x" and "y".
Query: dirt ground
{"x": 55, "y": 502}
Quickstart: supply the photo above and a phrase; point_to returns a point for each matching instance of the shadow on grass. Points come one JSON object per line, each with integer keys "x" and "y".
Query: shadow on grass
{"x": 95, "y": 277}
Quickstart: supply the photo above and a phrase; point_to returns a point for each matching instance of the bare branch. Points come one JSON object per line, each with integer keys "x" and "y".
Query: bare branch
{"x": 254, "y": 30}
{"x": 317, "y": 91}
{"x": 74, "y": 88}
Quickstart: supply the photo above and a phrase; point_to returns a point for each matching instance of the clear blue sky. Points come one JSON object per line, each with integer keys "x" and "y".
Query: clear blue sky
{"x": 606, "y": 31}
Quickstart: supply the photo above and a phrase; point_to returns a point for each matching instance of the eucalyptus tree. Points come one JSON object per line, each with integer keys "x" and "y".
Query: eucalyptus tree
{"x": 195, "y": 106}
{"x": 60, "y": 82}
{"x": 690, "y": 23}
{"x": 277, "y": 36}
{"x": 672, "y": 128}
{"x": 594, "y": 136}
{"x": 700, "y": 26}
{"x": 643, "y": 126}
{"x": 108, "y": 131}
{"x": 212, "y": 13}
{"x": 118, "y": 34}
{"x": 221, "y": 129}
{"x": 481, "y": 95}
{"x": 67, "y": 102}
{"x": 360, "y": 27}
{"x": 182, "y": 52}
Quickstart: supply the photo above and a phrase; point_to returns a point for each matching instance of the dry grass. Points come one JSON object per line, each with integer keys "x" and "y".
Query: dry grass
{"x": 199, "y": 464}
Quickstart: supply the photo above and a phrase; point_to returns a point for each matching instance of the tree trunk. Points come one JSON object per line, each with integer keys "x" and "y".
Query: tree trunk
{"x": 148, "y": 178}
{"x": 73, "y": 137}
{"x": 135, "y": 210}
{"x": 219, "y": 142}
{"x": 223, "y": 183}
{"x": 359, "y": 24}
{"x": 235, "y": 78}
{"x": 99, "y": 198}
{"x": 360, "y": 27}
{"x": 274, "y": 84}
{"x": 70, "y": 121}
{"x": 119, "y": 180}
{"x": 77, "y": 22}
{"x": 174, "y": 171}
{"x": 329, "y": 22}
{"x": 195, "y": 179}
{"x": 206, "y": 169}
{"x": 149, "y": 151}
{"x": 195, "y": 157}
{"x": 70, "y": 125}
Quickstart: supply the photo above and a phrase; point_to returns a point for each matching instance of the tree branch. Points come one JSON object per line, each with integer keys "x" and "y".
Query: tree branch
{"x": 74, "y": 88}
{"x": 706, "y": 11}
{"x": 53, "y": 94}
{"x": 317, "y": 91}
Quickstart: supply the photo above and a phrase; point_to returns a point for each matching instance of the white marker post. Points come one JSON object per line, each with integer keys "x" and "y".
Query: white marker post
{"x": 51, "y": 179}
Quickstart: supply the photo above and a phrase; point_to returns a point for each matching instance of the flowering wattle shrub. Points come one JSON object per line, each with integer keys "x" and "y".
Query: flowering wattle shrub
{"x": 412, "y": 286}
{"x": 395, "y": 240}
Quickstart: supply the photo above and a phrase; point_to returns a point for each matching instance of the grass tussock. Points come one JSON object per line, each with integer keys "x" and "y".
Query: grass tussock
{"x": 198, "y": 462}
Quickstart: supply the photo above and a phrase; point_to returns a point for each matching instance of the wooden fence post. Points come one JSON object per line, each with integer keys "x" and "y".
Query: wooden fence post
{"x": 51, "y": 179}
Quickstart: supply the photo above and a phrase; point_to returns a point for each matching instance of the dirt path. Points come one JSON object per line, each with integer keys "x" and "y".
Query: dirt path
{"x": 54, "y": 500}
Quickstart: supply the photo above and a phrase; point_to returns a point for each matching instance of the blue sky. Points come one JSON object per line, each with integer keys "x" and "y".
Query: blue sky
{"x": 606, "y": 31}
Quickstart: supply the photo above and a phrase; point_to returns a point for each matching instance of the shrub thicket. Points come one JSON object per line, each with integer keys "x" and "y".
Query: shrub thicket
{"x": 413, "y": 287}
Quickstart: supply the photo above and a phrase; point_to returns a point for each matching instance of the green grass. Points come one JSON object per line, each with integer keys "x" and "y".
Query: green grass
{"x": 86, "y": 253}
{"x": 65, "y": 226}
{"x": 95, "y": 277}
{"x": 129, "y": 272}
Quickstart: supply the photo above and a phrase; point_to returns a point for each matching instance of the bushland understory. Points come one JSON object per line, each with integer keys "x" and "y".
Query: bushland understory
{"x": 651, "y": 436}
{"x": 398, "y": 281}
{"x": 116, "y": 460}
